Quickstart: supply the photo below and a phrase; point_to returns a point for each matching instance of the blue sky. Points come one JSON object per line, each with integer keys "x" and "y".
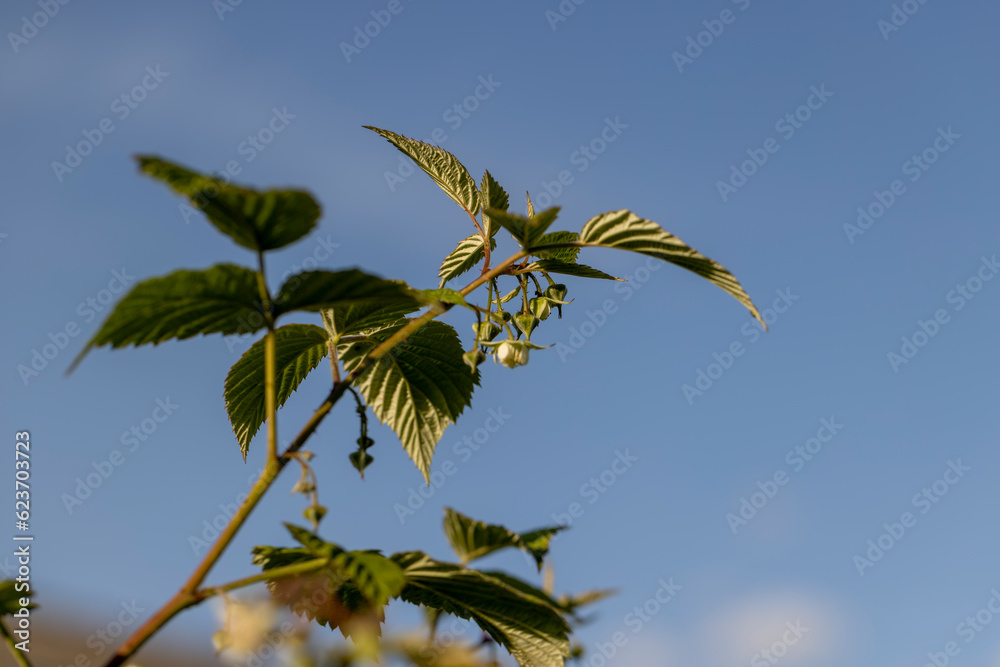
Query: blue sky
{"x": 839, "y": 109}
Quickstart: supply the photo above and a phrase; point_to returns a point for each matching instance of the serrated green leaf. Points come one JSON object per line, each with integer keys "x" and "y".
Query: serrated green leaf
{"x": 627, "y": 231}
{"x": 471, "y": 539}
{"x": 443, "y": 167}
{"x": 572, "y": 602}
{"x": 350, "y": 319}
{"x": 531, "y": 630}
{"x": 566, "y": 268}
{"x": 526, "y": 231}
{"x": 432, "y": 296}
{"x": 300, "y": 348}
{"x": 223, "y": 299}
{"x": 255, "y": 220}
{"x": 378, "y": 577}
{"x": 561, "y": 254}
{"x": 536, "y": 542}
{"x": 419, "y": 389}
{"x": 347, "y": 592}
{"x": 466, "y": 255}
{"x": 10, "y": 598}
{"x": 318, "y": 290}
{"x": 493, "y": 196}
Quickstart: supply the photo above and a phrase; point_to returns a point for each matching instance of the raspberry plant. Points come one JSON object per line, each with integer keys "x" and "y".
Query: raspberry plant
{"x": 386, "y": 348}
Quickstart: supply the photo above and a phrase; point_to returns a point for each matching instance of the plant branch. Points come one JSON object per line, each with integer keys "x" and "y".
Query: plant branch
{"x": 188, "y": 595}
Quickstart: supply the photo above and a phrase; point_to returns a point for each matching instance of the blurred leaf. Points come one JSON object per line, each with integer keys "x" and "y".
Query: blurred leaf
{"x": 348, "y": 593}
{"x": 255, "y": 220}
{"x": 471, "y": 539}
{"x": 533, "y": 632}
{"x": 10, "y": 598}
{"x": 317, "y": 290}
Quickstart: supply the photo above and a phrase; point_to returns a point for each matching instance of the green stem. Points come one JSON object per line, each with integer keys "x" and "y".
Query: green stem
{"x": 187, "y": 596}
{"x": 270, "y": 409}
{"x": 535, "y": 280}
{"x": 275, "y": 573}
{"x": 8, "y": 639}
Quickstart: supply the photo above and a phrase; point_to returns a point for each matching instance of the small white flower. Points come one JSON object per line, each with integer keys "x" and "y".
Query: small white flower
{"x": 512, "y": 353}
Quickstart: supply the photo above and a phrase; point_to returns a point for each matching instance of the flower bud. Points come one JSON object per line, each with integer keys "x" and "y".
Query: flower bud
{"x": 556, "y": 292}
{"x": 314, "y": 514}
{"x": 540, "y": 307}
{"x": 525, "y": 323}
{"x": 486, "y": 330}
{"x": 473, "y": 358}
{"x": 361, "y": 460}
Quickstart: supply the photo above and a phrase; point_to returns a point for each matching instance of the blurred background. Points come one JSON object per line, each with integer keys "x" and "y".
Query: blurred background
{"x": 837, "y": 157}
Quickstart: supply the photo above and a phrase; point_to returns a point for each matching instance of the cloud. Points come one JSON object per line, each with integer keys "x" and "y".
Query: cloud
{"x": 812, "y": 626}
